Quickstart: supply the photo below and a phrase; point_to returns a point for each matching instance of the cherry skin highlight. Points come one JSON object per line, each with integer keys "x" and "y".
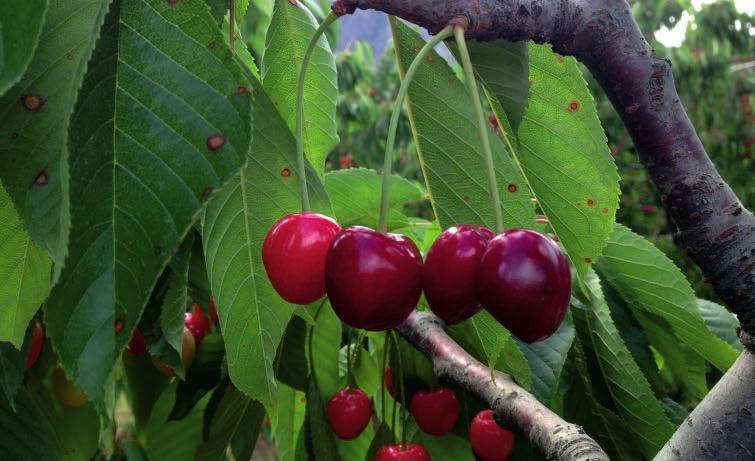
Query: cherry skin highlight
{"x": 198, "y": 323}
{"x": 450, "y": 272}
{"x": 490, "y": 441}
{"x": 294, "y": 254}
{"x": 35, "y": 348}
{"x": 525, "y": 283}
{"x": 349, "y": 412}
{"x": 373, "y": 280}
{"x": 435, "y": 412}
{"x": 398, "y": 452}
{"x": 136, "y": 345}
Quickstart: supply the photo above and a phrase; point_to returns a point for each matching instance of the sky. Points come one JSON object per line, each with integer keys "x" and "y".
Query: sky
{"x": 675, "y": 36}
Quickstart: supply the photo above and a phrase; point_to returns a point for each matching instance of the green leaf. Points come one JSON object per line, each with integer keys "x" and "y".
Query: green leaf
{"x": 11, "y": 371}
{"x": 34, "y": 151}
{"x": 649, "y": 281}
{"x": 442, "y": 118}
{"x": 236, "y": 415}
{"x": 291, "y": 357}
{"x": 562, "y": 149}
{"x": 720, "y": 322}
{"x": 546, "y": 359}
{"x": 631, "y": 392}
{"x": 141, "y": 169}
{"x": 24, "y": 275}
{"x": 173, "y": 440}
{"x": 287, "y": 421}
{"x": 451, "y": 446}
{"x": 144, "y": 386}
{"x": 290, "y": 31}
{"x": 252, "y": 315}
{"x": 355, "y": 195}
{"x": 320, "y": 439}
{"x": 24, "y": 433}
{"x": 326, "y": 347}
{"x": 21, "y": 24}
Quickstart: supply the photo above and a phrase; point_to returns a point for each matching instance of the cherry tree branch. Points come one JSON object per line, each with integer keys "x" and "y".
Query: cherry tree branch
{"x": 513, "y": 406}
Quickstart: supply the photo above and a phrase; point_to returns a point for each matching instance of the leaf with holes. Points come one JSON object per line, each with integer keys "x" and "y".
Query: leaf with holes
{"x": 156, "y": 130}
{"x": 252, "y": 315}
{"x": 24, "y": 274}
{"x": 562, "y": 149}
{"x": 291, "y": 28}
{"x": 443, "y": 120}
{"x": 649, "y": 281}
{"x": 22, "y": 24}
{"x": 34, "y": 119}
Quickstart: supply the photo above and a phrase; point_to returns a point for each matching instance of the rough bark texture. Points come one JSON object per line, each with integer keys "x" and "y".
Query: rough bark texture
{"x": 513, "y": 406}
{"x": 727, "y": 408}
{"x": 715, "y": 229}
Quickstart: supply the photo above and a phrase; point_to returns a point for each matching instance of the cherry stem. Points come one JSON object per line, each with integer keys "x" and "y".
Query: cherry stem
{"x": 481, "y": 126}
{"x": 386, "y": 347}
{"x": 232, "y": 25}
{"x": 401, "y": 386}
{"x": 303, "y": 191}
{"x": 403, "y": 90}
{"x": 349, "y": 375}
{"x": 310, "y": 348}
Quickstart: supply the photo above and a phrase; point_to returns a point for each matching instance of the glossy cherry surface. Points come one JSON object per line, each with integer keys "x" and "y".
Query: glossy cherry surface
{"x": 435, "y": 412}
{"x": 450, "y": 272}
{"x": 37, "y": 340}
{"x": 490, "y": 441}
{"x": 398, "y": 452}
{"x": 136, "y": 345}
{"x": 198, "y": 323}
{"x": 525, "y": 283}
{"x": 373, "y": 280}
{"x": 294, "y": 254}
{"x": 349, "y": 412}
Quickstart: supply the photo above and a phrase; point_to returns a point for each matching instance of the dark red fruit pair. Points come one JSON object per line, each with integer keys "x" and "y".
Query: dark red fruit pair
{"x": 349, "y": 412}
{"x": 35, "y": 348}
{"x": 435, "y": 412}
{"x": 294, "y": 255}
{"x": 402, "y": 452}
{"x": 373, "y": 280}
{"x": 490, "y": 441}
{"x": 198, "y": 323}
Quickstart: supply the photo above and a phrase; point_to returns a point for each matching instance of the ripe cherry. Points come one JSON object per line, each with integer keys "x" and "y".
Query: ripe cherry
{"x": 188, "y": 351}
{"x": 66, "y": 392}
{"x": 198, "y": 323}
{"x": 373, "y": 280}
{"x": 411, "y": 386}
{"x": 294, "y": 254}
{"x": 405, "y": 452}
{"x": 349, "y": 412}
{"x": 490, "y": 441}
{"x": 525, "y": 283}
{"x": 136, "y": 346}
{"x": 435, "y": 412}
{"x": 37, "y": 340}
{"x": 450, "y": 272}
{"x": 214, "y": 312}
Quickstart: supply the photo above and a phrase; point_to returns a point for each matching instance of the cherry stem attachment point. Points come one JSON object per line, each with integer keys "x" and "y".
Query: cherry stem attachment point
{"x": 301, "y": 166}
{"x": 466, "y": 63}
{"x": 403, "y": 90}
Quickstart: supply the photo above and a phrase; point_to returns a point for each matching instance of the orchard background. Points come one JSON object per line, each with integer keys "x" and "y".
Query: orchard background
{"x": 143, "y": 159}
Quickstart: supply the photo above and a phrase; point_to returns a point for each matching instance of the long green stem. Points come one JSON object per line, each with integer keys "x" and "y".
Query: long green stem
{"x": 466, "y": 63}
{"x": 388, "y": 159}
{"x": 386, "y": 347}
{"x": 300, "y": 110}
{"x": 310, "y": 344}
{"x": 401, "y": 386}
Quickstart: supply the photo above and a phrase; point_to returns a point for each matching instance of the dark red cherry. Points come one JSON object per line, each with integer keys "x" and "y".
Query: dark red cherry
{"x": 525, "y": 283}
{"x": 435, "y": 412}
{"x": 373, "y": 280}
{"x": 490, "y": 441}
{"x": 411, "y": 386}
{"x": 450, "y": 272}
{"x": 294, "y": 254}
{"x": 37, "y": 339}
{"x": 198, "y": 323}
{"x": 214, "y": 312}
{"x": 398, "y": 452}
{"x": 136, "y": 345}
{"x": 349, "y": 412}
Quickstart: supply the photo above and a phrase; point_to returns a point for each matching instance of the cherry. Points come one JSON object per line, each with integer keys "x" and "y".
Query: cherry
{"x": 349, "y": 412}
{"x": 525, "y": 283}
{"x": 66, "y": 392}
{"x": 436, "y": 412}
{"x": 188, "y": 351}
{"x": 490, "y": 441}
{"x": 405, "y": 452}
{"x": 411, "y": 386}
{"x": 37, "y": 340}
{"x": 450, "y": 272}
{"x": 198, "y": 323}
{"x": 214, "y": 312}
{"x": 373, "y": 280}
{"x": 294, "y": 254}
{"x": 136, "y": 345}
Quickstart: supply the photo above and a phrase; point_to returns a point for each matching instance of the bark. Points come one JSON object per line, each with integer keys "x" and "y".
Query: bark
{"x": 513, "y": 406}
{"x": 727, "y": 408}
{"x": 715, "y": 229}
